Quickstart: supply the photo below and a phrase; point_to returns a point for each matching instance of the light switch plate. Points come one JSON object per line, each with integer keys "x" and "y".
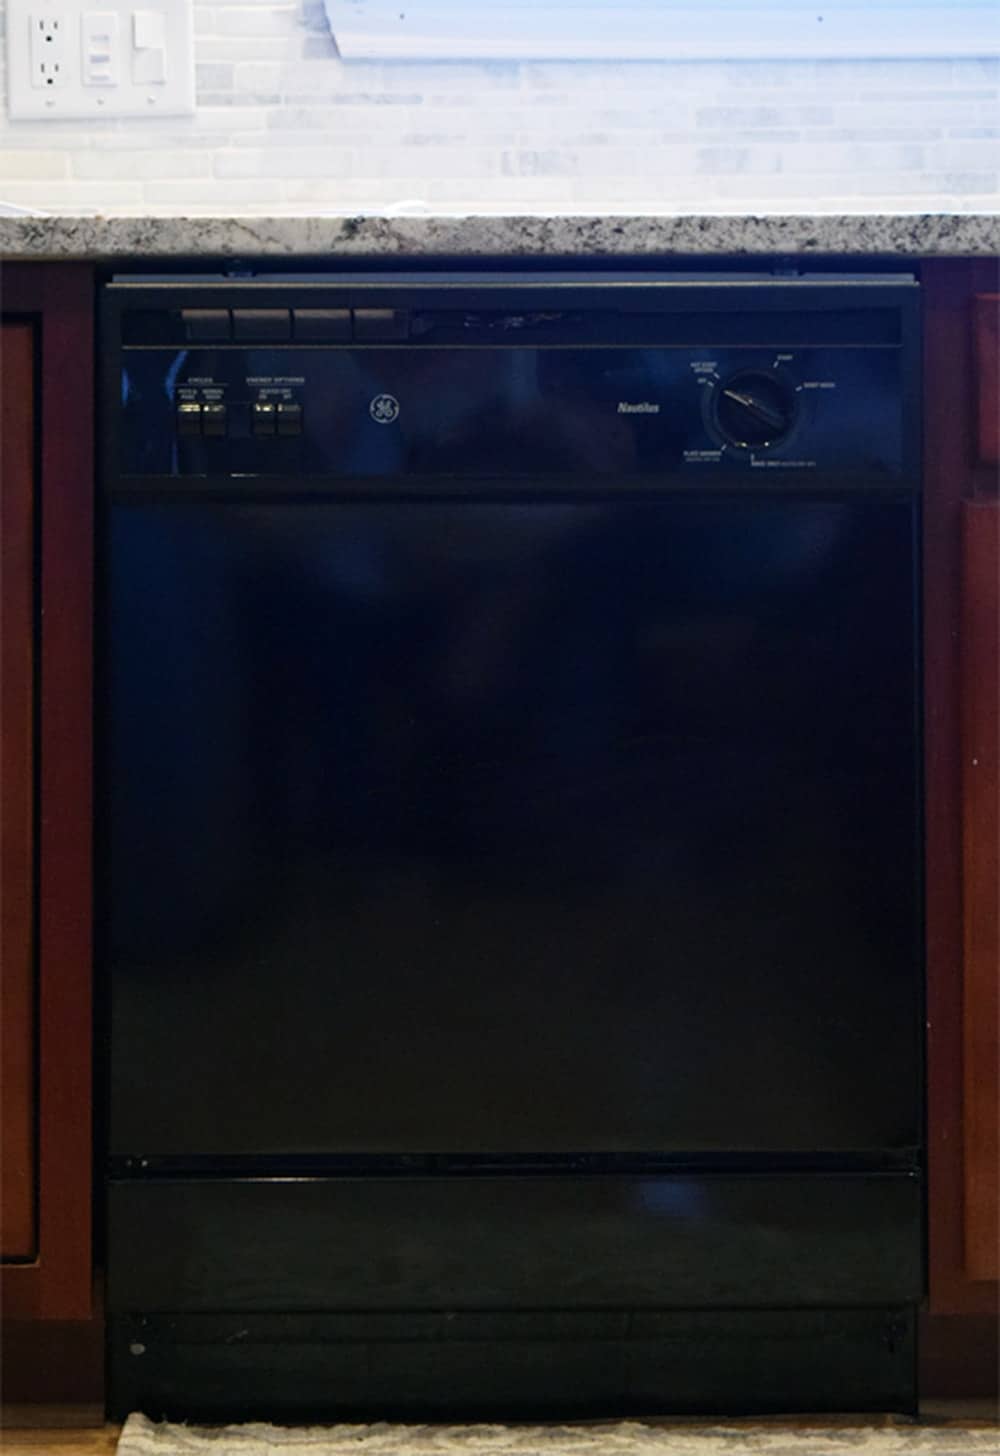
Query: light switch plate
{"x": 101, "y": 48}
{"x": 115, "y": 58}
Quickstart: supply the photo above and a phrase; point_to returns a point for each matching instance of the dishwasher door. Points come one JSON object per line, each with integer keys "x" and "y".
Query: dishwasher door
{"x": 523, "y": 829}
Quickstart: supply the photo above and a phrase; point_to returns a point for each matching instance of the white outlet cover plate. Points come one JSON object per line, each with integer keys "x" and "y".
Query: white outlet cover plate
{"x": 74, "y": 100}
{"x": 649, "y": 30}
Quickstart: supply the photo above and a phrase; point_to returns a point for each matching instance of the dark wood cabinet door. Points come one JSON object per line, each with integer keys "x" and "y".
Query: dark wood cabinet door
{"x": 981, "y": 813}
{"x": 17, "y": 810}
{"x": 960, "y": 643}
{"x": 981, "y": 884}
{"x": 987, "y": 322}
{"x": 46, "y": 378}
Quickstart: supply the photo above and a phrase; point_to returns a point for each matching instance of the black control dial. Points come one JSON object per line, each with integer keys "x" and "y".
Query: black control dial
{"x": 753, "y": 409}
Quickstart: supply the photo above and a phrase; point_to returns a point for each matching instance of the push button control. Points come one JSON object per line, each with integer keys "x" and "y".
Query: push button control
{"x": 261, "y": 325}
{"x": 206, "y": 325}
{"x": 188, "y": 419}
{"x": 263, "y": 419}
{"x": 322, "y": 325}
{"x": 213, "y": 420}
{"x": 289, "y": 419}
{"x": 380, "y": 325}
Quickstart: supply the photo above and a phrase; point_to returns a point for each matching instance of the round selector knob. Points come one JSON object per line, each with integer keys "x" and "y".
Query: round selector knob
{"x": 753, "y": 409}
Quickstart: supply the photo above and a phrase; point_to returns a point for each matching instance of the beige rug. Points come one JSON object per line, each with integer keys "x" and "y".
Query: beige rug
{"x": 142, "y": 1437}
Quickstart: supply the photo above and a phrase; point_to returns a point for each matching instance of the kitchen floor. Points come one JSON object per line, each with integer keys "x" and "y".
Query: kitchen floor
{"x": 73, "y": 1441}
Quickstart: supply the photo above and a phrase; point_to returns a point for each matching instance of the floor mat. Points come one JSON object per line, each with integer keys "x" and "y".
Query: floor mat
{"x": 142, "y": 1437}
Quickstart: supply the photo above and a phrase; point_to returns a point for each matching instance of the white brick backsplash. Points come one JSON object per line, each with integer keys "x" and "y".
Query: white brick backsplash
{"x": 86, "y": 195}
{"x": 32, "y": 166}
{"x": 192, "y": 193}
{"x": 213, "y": 120}
{"x": 888, "y": 75}
{"x": 216, "y": 76}
{"x": 819, "y": 157}
{"x": 738, "y": 118}
{"x": 237, "y": 102}
{"x": 641, "y": 116}
{"x": 346, "y": 191}
{"x": 727, "y": 160}
{"x": 282, "y": 122}
{"x": 508, "y": 193}
{"x": 449, "y": 78}
{"x": 137, "y": 164}
{"x": 255, "y": 77}
{"x": 235, "y": 48}
{"x": 256, "y": 20}
{"x": 777, "y": 76}
{"x": 971, "y": 156}
{"x": 335, "y": 162}
{"x": 160, "y": 138}
{"x": 910, "y": 134}
{"x": 421, "y": 163}
{"x": 912, "y": 101}
{"x": 968, "y": 184}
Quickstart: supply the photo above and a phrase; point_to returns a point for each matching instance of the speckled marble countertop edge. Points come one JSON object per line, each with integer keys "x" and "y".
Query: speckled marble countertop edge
{"x": 105, "y": 237}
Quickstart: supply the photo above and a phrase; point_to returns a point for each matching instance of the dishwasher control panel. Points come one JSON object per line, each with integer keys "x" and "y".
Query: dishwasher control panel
{"x": 650, "y": 382}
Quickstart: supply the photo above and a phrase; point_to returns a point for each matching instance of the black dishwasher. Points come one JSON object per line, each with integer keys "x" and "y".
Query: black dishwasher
{"x": 510, "y": 852}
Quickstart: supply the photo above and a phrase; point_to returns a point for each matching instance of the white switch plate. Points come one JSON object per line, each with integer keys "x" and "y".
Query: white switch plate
{"x": 126, "y": 84}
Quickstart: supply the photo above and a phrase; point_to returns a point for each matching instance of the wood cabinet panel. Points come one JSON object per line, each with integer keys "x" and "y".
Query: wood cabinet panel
{"x": 980, "y": 650}
{"x": 57, "y": 301}
{"x": 987, "y": 325}
{"x": 954, "y": 473}
{"x": 17, "y": 813}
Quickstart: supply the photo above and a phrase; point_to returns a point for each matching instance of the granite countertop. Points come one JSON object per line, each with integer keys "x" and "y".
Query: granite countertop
{"x": 283, "y": 236}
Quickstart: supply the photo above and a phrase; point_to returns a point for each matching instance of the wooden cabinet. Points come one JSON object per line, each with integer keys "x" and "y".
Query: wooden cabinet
{"x": 46, "y": 548}
{"x": 961, "y": 609}
{"x": 980, "y": 667}
{"x": 17, "y": 838}
{"x": 986, "y": 318}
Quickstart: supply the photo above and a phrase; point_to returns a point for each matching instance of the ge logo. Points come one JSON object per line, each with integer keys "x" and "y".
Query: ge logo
{"x": 384, "y": 408}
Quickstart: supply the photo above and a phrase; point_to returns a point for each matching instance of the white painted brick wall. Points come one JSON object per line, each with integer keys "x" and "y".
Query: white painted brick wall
{"x": 284, "y": 124}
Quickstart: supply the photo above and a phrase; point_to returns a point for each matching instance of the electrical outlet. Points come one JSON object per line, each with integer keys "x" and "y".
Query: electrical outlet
{"x": 69, "y": 59}
{"x": 50, "y": 50}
